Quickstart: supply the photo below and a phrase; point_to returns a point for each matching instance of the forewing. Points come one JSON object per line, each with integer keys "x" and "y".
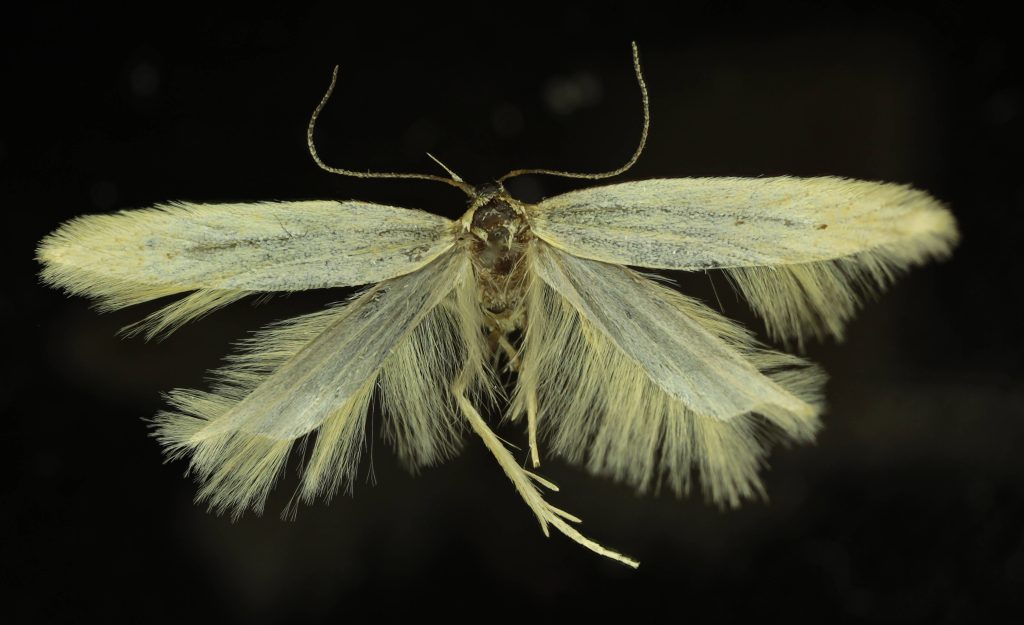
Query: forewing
{"x": 679, "y": 355}
{"x": 800, "y": 249}
{"x": 717, "y": 223}
{"x": 225, "y": 251}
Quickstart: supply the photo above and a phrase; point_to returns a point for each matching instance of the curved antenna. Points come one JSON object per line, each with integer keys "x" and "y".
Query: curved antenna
{"x": 466, "y": 188}
{"x": 615, "y": 172}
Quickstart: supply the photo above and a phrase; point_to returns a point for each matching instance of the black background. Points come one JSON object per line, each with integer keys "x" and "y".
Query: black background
{"x": 908, "y": 509}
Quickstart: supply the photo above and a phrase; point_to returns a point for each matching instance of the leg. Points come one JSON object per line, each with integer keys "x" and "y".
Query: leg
{"x": 523, "y": 480}
{"x": 531, "y": 426}
{"x": 510, "y": 351}
{"x": 531, "y": 401}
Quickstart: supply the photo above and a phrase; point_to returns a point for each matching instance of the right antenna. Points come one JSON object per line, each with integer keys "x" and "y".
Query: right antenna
{"x": 632, "y": 159}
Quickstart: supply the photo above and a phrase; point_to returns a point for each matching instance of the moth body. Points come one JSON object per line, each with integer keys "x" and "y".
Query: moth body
{"x": 498, "y": 235}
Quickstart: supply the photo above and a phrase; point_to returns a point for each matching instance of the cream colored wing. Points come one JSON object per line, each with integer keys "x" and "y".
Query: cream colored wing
{"x": 799, "y": 248}
{"x": 225, "y": 251}
{"x": 318, "y": 373}
{"x": 679, "y": 355}
{"x": 643, "y": 383}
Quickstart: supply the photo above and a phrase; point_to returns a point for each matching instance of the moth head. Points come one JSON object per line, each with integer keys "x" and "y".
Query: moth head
{"x": 494, "y": 217}
{"x": 487, "y": 190}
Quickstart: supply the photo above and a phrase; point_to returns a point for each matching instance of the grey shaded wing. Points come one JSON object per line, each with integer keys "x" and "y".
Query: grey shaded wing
{"x": 687, "y": 361}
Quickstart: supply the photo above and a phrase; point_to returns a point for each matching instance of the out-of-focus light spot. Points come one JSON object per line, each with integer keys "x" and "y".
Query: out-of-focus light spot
{"x": 565, "y": 95}
{"x": 103, "y": 194}
{"x": 145, "y": 80}
{"x": 507, "y": 120}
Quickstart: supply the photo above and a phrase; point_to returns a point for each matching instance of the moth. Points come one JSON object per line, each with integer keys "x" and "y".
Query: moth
{"x": 614, "y": 370}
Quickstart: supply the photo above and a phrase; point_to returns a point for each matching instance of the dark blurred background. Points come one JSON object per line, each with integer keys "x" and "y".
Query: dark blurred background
{"x": 908, "y": 509}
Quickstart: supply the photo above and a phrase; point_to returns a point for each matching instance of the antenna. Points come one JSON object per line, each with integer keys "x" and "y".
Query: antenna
{"x": 632, "y": 159}
{"x": 455, "y": 182}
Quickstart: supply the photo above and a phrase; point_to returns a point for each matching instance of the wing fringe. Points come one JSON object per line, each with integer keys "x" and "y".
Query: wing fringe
{"x": 798, "y": 301}
{"x": 237, "y": 470}
{"x": 75, "y": 257}
{"x": 599, "y": 408}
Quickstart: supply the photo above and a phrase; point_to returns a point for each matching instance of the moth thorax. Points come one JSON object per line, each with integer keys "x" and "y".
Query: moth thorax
{"x": 500, "y": 231}
{"x": 499, "y": 238}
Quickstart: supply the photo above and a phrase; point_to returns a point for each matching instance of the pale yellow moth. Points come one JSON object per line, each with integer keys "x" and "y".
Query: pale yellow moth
{"x": 615, "y": 371}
